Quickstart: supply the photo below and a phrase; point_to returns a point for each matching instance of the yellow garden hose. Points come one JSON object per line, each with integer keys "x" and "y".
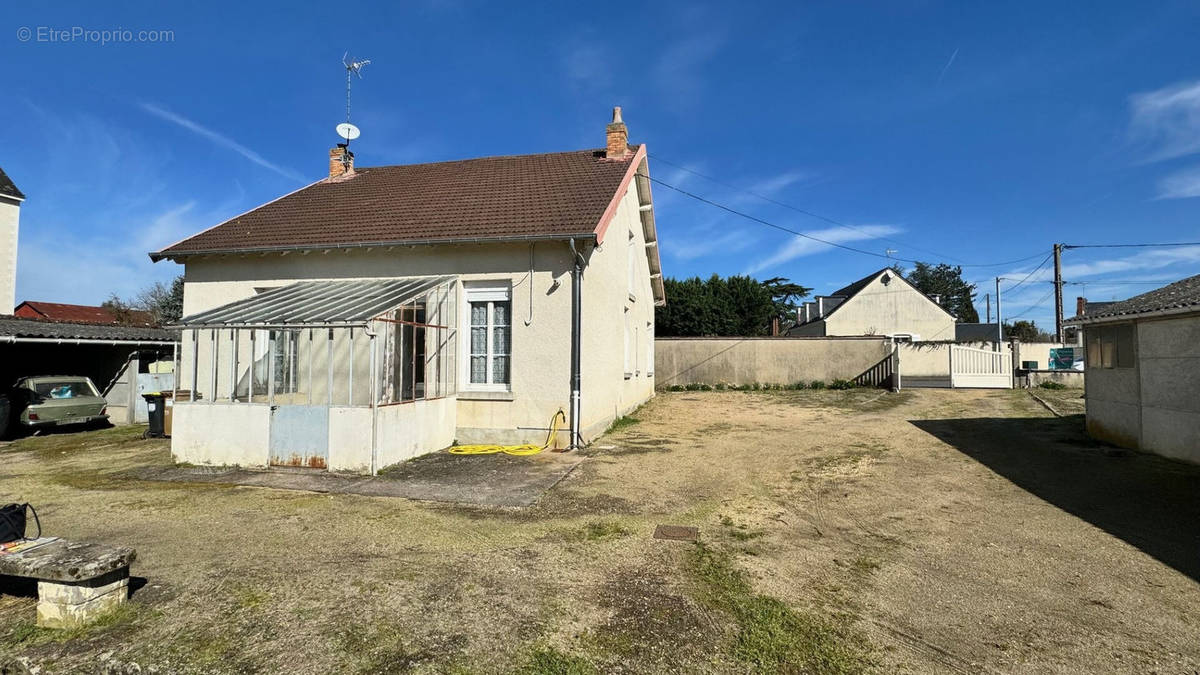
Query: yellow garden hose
{"x": 518, "y": 450}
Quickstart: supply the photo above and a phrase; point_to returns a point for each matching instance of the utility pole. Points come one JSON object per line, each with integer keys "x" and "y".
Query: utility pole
{"x": 987, "y": 297}
{"x": 999, "y": 321}
{"x": 1058, "y": 303}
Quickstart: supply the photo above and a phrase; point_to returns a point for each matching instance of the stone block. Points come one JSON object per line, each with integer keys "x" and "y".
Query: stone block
{"x": 63, "y": 605}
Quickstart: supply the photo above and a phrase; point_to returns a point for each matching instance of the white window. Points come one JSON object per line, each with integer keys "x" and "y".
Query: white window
{"x": 628, "y": 345}
{"x": 649, "y": 348}
{"x": 632, "y": 266}
{"x": 489, "y": 336}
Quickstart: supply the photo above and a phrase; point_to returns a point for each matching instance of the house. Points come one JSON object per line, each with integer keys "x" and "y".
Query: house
{"x": 1143, "y": 356}
{"x": 384, "y": 312}
{"x": 56, "y": 311}
{"x": 1072, "y": 334}
{"x": 10, "y": 211}
{"x": 881, "y": 303}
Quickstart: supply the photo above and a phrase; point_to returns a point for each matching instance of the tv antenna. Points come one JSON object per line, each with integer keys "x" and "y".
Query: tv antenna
{"x": 347, "y": 130}
{"x": 890, "y": 251}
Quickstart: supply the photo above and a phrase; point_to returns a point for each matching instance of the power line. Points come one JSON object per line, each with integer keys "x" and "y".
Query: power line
{"x": 797, "y": 209}
{"x": 809, "y": 236}
{"x": 1032, "y": 307}
{"x": 1040, "y": 266}
{"x": 1178, "y": 243}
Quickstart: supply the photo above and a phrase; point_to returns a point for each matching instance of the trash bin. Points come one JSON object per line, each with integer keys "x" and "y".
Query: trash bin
{"x": 155, "y": 408}
{"x": 169, "y": 398}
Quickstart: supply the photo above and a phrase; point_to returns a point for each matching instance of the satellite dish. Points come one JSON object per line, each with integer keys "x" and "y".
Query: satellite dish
{"x": 348, "y": 131}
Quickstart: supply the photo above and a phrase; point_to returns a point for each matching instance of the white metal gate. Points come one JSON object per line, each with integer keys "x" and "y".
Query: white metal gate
{"x": 980, "y": 368}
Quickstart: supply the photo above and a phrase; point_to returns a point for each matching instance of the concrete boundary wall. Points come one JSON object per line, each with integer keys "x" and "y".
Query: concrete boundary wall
{"x": 768, "y": 360}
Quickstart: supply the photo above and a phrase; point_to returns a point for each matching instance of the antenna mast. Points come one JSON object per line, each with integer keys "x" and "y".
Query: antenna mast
{"x": 347, "y": 130}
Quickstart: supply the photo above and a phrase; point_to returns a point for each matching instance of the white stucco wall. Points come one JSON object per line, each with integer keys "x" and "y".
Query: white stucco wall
{"x": 888, "y": 309}
{"x": 411, "y": 429}
{"x": 10, "y": 211}
{"x": 607, "y": 299}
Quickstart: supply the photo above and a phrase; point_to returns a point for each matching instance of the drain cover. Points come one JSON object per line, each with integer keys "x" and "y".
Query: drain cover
{"x": 677, "y": 532}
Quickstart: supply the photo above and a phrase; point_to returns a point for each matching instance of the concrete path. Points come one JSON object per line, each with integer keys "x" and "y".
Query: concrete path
{"x": 483, "y": 480}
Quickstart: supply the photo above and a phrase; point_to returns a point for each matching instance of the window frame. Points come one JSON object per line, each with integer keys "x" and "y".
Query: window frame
{"x": 490, "y": 292}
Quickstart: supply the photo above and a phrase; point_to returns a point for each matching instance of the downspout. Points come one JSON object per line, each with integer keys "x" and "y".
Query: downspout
{"x": 374, "y": 366}
{"x": 576, "y": 345}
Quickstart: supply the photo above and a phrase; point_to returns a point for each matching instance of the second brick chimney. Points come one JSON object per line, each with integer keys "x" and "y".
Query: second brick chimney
{"x": 341, "y": 161}
{"x": 618, "y": 137}
{"x": 1080, "y": 306}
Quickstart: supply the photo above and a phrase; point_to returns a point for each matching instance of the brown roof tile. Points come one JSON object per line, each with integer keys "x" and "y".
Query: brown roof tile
{"x": 57, "y": 311}
{"x": 547, "y": 195}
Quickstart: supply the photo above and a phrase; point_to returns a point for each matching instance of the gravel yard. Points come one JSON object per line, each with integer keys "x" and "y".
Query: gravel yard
{"x": 840, "y": 531}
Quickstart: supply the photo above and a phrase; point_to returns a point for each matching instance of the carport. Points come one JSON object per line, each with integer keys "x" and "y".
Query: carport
{"x": 338, "y": 375}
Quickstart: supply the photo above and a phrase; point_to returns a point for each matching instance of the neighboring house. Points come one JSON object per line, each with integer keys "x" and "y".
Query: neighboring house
{"x": 1143, "y": 357}
{"x": 10, "y": 211}
{"x": 55, "y": 311}
{"x": 1071, "y": 334}
{"x": 384, "y": 312}
{"x": 882, "y": 303}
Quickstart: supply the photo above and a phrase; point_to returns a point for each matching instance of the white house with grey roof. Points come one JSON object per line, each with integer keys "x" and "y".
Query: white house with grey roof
{"x": 1143, "y": 370}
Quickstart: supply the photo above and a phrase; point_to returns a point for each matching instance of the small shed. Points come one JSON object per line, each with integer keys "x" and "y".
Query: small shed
{"x": 338, "y": 375}
{"x": 1143, "y": 356}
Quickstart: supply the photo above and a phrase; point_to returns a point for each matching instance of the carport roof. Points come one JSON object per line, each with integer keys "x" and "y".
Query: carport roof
{"x": 309, "y": 304}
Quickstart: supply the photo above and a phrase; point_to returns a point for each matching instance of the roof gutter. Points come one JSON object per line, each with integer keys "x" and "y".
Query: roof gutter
{"x": 1118, "y": 318}
{"x": 12, "y": 339}
{"x": 163, "y": 255}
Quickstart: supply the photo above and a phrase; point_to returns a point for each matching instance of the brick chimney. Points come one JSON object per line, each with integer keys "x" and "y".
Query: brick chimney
{"x": 1080, "y": 305}
{"x": 618, "y": 136}
{"x": 341, "y": 161}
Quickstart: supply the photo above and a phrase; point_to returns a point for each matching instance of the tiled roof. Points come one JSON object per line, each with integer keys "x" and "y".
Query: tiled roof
{"x": 11, "y": 326}
{"x": 855, "y": 288}
{"x": 55, "y": 311}
{"x": 492, "y": 198}
{"x": 1180, "y": 296}
{"x": 8, "y": 188}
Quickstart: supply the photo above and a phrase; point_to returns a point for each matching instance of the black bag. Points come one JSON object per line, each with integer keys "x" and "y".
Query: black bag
{"x": 12, "y": 522}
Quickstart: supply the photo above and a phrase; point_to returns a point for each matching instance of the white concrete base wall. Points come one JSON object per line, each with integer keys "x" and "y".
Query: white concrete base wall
{"x": 411, "y": 429}
{"x": 350, "y": 439}
{"x": 221, "y": 434}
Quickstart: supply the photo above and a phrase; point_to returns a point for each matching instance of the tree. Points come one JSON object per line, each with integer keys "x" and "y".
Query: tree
{"x": 784, "y": 294}
{"x": 163, "y": 303}
{"x": 733, "y": 306}
{"x": 957, "y": 296}
{"x": 1026, "y": 331}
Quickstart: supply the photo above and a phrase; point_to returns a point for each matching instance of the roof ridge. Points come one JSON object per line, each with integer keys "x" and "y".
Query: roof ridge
{"x": 525, "y": 155}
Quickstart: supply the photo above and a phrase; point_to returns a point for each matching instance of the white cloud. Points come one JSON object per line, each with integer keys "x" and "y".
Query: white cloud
{"x": 704, "y": 245}
{"x": 1167, "y": 120}
{"x": 1151, "y": 259}
{"x": 221, "y": 140}
{"x": 769, "y": 187}
{"x": 799, "y": 246}
{"x": 1180, "y": 185}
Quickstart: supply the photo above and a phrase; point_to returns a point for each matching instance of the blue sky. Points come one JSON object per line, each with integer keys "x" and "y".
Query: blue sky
{"x": 963, "y": 132}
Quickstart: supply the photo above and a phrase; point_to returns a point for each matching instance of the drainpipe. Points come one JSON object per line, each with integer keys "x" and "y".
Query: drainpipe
{"x": 576, "y": 345}
{"x": 374, "y": 361}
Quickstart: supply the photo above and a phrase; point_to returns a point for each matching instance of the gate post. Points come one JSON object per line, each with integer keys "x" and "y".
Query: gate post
{"x": 951, "y": 352}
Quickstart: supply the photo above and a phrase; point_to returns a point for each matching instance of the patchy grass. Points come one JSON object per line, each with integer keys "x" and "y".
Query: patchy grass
{"x": 771, "y": 636}
{"x": 621, "y": 423}
{"x": 1051, "y": 384}
{"x": 29, "y": 634}
{"x": 546, "y": 660}
{"x": 840, "y": 384}
{"x": 377, "y": 648}
{"x": 600, "y": 530}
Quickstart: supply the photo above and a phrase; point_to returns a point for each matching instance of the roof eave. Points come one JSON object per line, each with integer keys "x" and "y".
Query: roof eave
{"x": 1121, "y": 318}
{"x": 167, "y": 254}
